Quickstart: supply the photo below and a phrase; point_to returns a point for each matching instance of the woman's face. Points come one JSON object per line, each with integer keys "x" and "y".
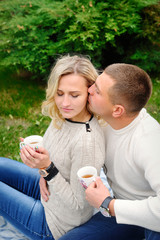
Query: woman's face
{"x": 71, "y": 97}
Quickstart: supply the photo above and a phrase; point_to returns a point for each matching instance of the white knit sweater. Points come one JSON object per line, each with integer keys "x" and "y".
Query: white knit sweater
{"x": 133, "y": 171}
{"x": 71, "y": 148}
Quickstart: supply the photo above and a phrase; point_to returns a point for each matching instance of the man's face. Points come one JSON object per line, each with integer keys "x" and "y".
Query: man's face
{"x": 99, "y": 101}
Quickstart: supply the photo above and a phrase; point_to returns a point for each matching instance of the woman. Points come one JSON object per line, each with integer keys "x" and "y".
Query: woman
{"x": 74, "y": 139}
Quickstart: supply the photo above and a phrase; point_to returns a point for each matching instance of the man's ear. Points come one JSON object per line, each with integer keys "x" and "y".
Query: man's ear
{"x": 118, "y": 111}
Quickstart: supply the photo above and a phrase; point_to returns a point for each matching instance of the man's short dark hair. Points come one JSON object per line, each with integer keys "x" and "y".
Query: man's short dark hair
{"x": 132, "y": 88}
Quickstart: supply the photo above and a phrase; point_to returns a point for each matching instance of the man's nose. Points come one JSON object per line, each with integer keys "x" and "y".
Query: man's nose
{"x": 91, "y": 90}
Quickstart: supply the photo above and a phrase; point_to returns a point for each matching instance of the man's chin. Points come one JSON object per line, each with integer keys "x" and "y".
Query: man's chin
{"x": 90, "y": 108}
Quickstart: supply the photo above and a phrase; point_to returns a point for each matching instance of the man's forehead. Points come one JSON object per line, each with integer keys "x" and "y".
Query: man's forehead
{"x": 106, "y": 79}
{"x": 99, "y": 84}
{"x": 100, "y": 79}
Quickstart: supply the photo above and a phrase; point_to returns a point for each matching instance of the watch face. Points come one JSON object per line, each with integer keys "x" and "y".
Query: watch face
{"x": 105, "y": 212}
{"x": 43, "y": 172}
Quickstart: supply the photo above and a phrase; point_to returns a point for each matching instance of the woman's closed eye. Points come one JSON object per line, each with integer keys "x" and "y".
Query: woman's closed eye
{"x": 60, "y": 93}
{"x": 74, "y": 96}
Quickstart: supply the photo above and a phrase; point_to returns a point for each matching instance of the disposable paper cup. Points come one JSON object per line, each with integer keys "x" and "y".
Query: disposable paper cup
{"x": 87, "y": 175}
{"x": 32, "y": 141}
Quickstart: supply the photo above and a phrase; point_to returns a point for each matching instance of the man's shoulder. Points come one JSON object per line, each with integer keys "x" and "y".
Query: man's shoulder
{"x": 148, "y": 124}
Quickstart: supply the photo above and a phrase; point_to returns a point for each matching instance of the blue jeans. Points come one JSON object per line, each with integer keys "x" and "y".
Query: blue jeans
{"x": 20, "y": 199}
{"x": 106, "y": 228}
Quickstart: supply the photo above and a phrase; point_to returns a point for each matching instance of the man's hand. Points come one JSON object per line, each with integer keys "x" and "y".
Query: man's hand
{"x": 44, "y": 189}
{"x": 96, "y": 193}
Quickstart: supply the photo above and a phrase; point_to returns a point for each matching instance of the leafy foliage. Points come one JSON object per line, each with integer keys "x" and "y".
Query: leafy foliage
{"x": 35, "y": 33}
{"x": 146, "y": 46}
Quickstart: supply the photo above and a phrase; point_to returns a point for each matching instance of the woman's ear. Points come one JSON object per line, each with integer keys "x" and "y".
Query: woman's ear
{"x": 118, "y": 111}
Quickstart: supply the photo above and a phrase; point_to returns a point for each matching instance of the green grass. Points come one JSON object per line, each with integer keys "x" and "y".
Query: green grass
{"x": 20, "y": 111}
{"x": 153, "y": 106}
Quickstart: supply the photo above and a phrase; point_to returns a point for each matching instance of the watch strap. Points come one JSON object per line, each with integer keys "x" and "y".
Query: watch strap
{"x": 104, "y": 208}
{"x": 106, "y": 202}
{"x": 49, "y": 168}
{"x": 52, "y": 173}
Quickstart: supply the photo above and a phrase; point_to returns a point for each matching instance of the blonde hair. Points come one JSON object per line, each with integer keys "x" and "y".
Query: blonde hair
{"x": 66, "y": 65}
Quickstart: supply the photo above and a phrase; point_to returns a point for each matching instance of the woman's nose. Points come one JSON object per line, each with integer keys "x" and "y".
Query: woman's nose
{"x": 66, "y": 101}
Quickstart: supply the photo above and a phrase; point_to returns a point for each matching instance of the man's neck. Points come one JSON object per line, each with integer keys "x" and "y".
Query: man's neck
{"x": 121, "y": 122}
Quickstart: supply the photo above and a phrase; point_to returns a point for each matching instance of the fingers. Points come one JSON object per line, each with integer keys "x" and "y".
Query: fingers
{"x": 44, "y": 189}
{"x": 96, "y": 193}
{"x": 28, "y": 156}
{"x": 35, "y": 159}
{"x": 98, "y": 182}
{"x": 41, "y": 150}
{"x": 92, "y": 185}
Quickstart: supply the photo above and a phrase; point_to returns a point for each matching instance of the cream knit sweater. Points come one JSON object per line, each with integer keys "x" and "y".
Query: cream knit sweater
{"x": 71, "y": 148}
{"x": 133, "y": 171}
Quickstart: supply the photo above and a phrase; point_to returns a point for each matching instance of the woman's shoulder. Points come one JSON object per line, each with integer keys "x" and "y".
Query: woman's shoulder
{"x": 98, "y": 125}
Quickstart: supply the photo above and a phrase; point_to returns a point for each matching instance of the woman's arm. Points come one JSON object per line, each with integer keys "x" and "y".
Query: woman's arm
{"x": 88, "y": 150}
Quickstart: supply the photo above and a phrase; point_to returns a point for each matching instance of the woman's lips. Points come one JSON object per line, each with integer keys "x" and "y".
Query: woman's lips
{"x": 66, "y": 109}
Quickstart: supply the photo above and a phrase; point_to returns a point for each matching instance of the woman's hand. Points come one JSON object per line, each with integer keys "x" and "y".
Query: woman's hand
{"x": 44, "y": 189}
{"x": 35, "y": 159}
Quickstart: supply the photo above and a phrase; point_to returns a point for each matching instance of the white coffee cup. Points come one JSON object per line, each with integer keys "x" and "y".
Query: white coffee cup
{"x": 32, "y": 141}
{"x": 87, "y": 175}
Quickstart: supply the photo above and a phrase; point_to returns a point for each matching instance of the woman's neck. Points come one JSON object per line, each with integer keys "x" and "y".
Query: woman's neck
{"x": 83, "y": 117}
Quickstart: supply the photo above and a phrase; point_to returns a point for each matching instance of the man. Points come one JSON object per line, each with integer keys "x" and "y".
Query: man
{"x": 132, "y": 160}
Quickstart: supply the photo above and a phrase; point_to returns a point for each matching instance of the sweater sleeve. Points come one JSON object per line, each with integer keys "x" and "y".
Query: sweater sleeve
{"x": 88, "y": 149}
{"x": 145, "y": 212}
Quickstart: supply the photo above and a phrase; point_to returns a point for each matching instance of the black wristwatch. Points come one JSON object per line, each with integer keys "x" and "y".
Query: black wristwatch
{"x": 104, "y": 207}
{"x": 49, "y": 172}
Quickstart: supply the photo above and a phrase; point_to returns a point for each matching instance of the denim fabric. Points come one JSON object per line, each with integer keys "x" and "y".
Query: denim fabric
{"x": 151, "y": 235}
{"x": 20, "y": 199}
{"x": 106, "y": 228}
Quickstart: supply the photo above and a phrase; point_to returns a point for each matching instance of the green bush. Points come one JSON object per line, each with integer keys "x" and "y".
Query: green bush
{"x": 145, "y": 47}
{"x": 35, "y": 33}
